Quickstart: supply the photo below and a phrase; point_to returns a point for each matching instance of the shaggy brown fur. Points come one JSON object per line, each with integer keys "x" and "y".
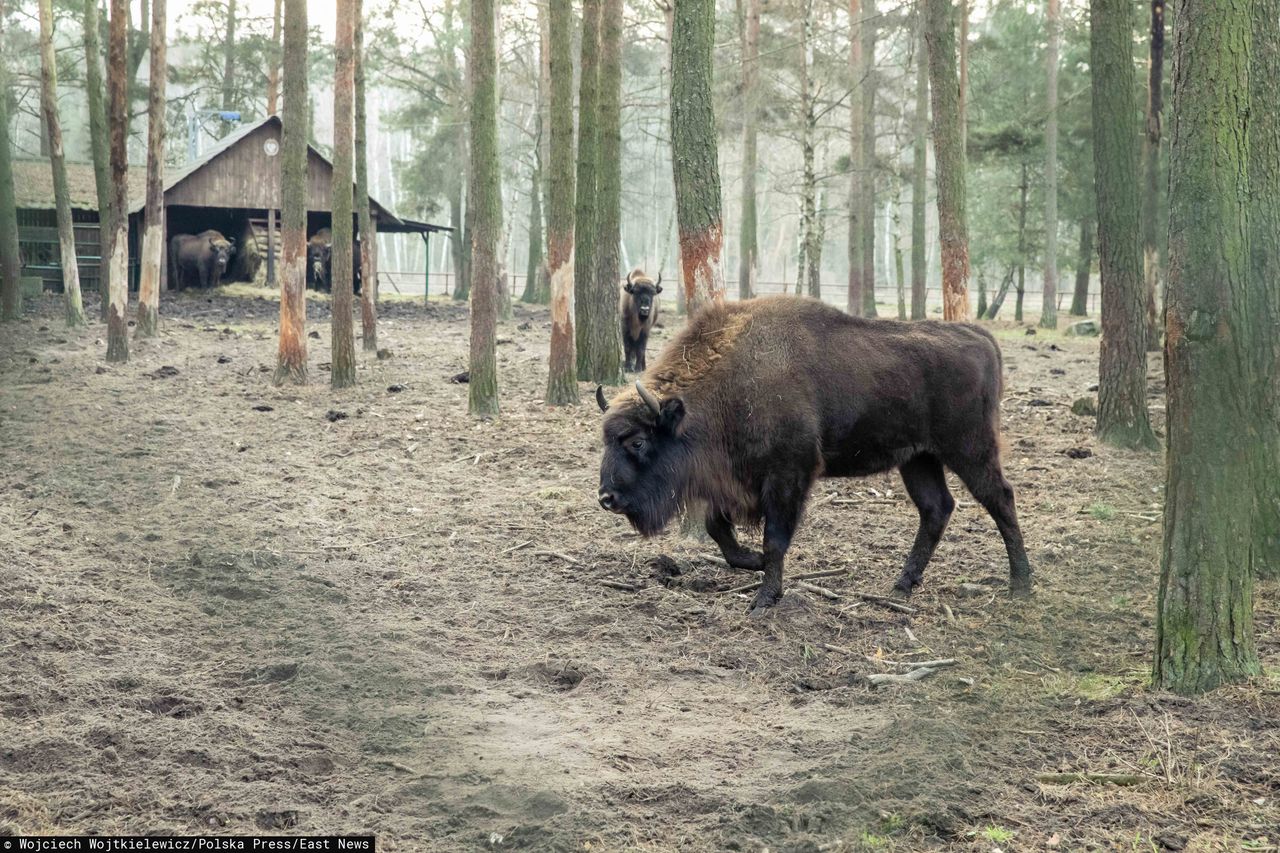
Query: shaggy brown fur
{"x": 638, "y": 309}
{"x": 758, "y": 398}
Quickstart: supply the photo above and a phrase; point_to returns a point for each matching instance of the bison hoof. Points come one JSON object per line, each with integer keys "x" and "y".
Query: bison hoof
{"x": 1020, "y": 587}
{"x": 905, "y": 586}
{"x": 765, "y": 599}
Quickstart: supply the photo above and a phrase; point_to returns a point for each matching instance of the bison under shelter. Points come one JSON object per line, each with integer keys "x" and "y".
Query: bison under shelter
{"x": 234, "y": 188}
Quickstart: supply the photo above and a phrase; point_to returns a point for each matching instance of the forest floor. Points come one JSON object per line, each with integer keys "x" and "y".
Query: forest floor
{"x": 229, "y": 607}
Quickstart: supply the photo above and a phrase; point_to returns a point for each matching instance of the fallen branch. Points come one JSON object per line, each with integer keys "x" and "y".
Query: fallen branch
{"x": 838, "y": 649}
{"x": 951, "y": 617}
{"x": 570, "y": 560}
{"x": 818, "y": 590}
{"x": 747, "y": 587}
{"x": 622, "y": 585}
{"x": 881, "y": 679}
{"x": 1091, "y": 778}
{"x": 518, "y": 547}
{"x": 881, "y": 601}
{"x": 903, "y": 664}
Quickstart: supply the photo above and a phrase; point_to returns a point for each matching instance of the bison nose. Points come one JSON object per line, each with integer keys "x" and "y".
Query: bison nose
{"x": 608, "y": 501}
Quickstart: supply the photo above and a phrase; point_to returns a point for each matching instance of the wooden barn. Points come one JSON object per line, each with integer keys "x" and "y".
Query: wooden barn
{"x": 233, "y": 188}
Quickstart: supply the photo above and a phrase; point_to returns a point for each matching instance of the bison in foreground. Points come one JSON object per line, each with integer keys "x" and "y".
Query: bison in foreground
{"x": 753, "y": 401}
{"x": 639, "y": 310}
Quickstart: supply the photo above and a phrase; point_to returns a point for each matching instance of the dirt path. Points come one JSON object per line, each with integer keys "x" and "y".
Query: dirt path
{"x": 234, "y": 607}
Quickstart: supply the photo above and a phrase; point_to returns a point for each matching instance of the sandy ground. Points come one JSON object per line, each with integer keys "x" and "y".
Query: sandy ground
{"x": 229, "y": 607}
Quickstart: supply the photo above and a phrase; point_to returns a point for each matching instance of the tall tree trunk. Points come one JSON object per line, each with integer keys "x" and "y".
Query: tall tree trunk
{"x": 1023, "y": 188}
{"x": 534, "y": 267}
{"x": 964, "y": 74}
{"x": 543, "y": 291}
{"x": 810, "y": 251}
{"x": 855, "y": 302}
{"x": 10, "y": 265}
{"x": 342, "y": 371}
{"x": 1204, "y": 626}
{"x": 1049, "y": 302}
{"x": 749, "y": 251}
{"x": 229, "y": 62}
{"x": 562, "y": 385}
{"x": 1122, "y": 368}
{"x": 460, "y": 215}
{"x": 868, "y": 200}
{"x": 273, "y": 69}
{"x": 1264, "y": 227}
{"x": 695, "y": 165}
{"x": 291, "y": 365}
{"x": 585, "y": 207}
{"x": 919, "y": 173}
{"x": 484, "y": 199}
{"x": 1151, "y": 166}
{"x": 99, "y": 144}
{"x": 604, "y": 362}
{"x": 118, "y": 119}
{"x": 1080, "y": 298}
{"x": 153, "y": 231}
{"x": 953, "y": 231}
{"x": 365, "y": 224}
{"x": 58, "y": 162}
{"x": 898, "y": 266}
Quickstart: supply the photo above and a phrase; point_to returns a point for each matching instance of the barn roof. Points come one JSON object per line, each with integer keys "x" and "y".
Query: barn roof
{"x": 33, "y": 185}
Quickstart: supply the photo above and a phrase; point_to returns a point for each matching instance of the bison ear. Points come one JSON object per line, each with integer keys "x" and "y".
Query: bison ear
{"x": 657, "y": 288}
{"x": 628, "y": 287}
{"x": 671, "y": 414}
{"x": 600, "y": 400}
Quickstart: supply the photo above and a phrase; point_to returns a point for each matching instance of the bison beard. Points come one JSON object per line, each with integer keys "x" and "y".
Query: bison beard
{"x": 754, "y": 400}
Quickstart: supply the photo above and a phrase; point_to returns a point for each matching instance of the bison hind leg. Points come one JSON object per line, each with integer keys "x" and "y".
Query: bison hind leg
{"x": 985, "y": 480}
{"x": 926, "y": 483}
{"x": 720, "y": 529}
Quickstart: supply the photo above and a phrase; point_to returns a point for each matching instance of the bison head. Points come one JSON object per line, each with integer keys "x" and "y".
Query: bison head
{"x": 318, "y": 254}
{"x": 222, "y": 251}
{"x": 646, "y": 460}
{"x": 644, "y": 292}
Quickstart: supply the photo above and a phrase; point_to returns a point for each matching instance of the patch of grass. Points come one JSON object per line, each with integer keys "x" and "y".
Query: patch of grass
{"x": 1094, "y": 686}
{"x": 872, "y": 841}
{"x": 555, "y": 493}
{"x": 997, "y": 834}
{"x": 1102, "y": 511}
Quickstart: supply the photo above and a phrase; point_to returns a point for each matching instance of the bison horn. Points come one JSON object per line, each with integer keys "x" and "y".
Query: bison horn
{"x": 659, "y": 281}
{"x": 649, "y": 400}
{"x": 629, "y": 278}
{"x": 600, "y": 401}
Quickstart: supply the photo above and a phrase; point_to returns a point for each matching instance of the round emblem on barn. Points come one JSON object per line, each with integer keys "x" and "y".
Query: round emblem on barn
{"x": 271, "y": 147}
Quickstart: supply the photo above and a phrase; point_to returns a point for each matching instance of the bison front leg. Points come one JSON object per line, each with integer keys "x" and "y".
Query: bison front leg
{"x": 720, "y": 529}
{"x": 926, "y": 483}
{"x": 782, "y": 501}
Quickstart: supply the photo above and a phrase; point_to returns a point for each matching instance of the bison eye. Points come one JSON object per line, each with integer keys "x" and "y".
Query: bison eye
{"x": 637, "y": 444}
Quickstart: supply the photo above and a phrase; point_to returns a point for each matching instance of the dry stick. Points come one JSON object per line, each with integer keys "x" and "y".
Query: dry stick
{"x": 881, "y": 601}
{"x": 570, "y": 560}
{"x": 951, "y": 617}
{"x": 818, "y": 590}
{"x": 518, "y": 547}
{"x": 622, "y": 585}
{"x": 750, "y": 586}
{"x": 924, "y": 664}
{"x": 838, "y": 649}
{"x": 1091, "y": 778}
{"x": 881, "y": 679}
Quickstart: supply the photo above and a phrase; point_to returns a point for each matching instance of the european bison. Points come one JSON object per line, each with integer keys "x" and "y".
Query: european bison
{"x": 320, "y": 261}
{"x": 752, "y": 401}
{"x": 204, "y": 256}
{"x": 639, "y": 309}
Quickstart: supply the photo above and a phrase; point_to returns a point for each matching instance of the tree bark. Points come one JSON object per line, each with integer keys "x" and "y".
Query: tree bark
{"x": 1023, "y": 189}
{"x": 1080, "y": 298}
{"x": 1151, "y": 166}
{"x": 585, "y": 207}
{"x": 1049, "y": 302}
{"x": 10, "y": 265}
{"x": 74, "y": 309}
{"x": 273, "y": 70}
{"x": 963, "y": 50}
{"x": 291, "y": 365}
{"x": 940, "y": 36}
{"x": 118, "y": 119}
{"x": 1204, "y": 626}
{"x": 562, "y": 385}
{"x": 153, "y": 232}
{"x": 1264, "y": 213}
{"x": 99, "y": 143}
{"x": 695, "y": 164}
{"x": 899, "y": 272}
{"x": 342, "y": 370}
{"x": 367, "y": 228}
{"x": 604, "y": 362}
{"x": 1122, "y": 368}
{"x": 810, "y": 247}
{"x": 920, "y": 173}
{"x": 749, "y": 257}
{"x": 855, "y": 301}
{"x": 868, "y": 200}
{"x": 484, "y": 199}
{"x": 543, "y": 291}
{"x": 534, "y": 267}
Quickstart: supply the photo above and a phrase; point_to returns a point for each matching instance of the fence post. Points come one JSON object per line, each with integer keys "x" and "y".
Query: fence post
{"x": 426, "y": 267}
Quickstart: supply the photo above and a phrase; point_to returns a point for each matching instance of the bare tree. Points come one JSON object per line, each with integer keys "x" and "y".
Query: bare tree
{"x": 749, "y": 262}
{"x": 291, "y": 363}
{"x": 1151, "y": 166}
{"x": 484, "y": 202}
{"x": 1049, "y": 304}
{"x": 940, "y": 38}
{"x": 273, "y": 70}
{"x": 367, "y": 227}
{"x": 10, "y": 270}
{"x": 118, "y": 121}
{"x": 342, "y": 371}
{"x": 153, "y": 231}
{"x": 562, "y": 386}
{"x": 99, "y": 143}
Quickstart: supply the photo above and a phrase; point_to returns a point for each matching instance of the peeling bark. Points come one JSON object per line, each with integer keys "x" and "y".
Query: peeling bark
{"x": 118, "y": 119}
{"x": 153, "y": 236}
{"x": 291, "y": 364}
{"x": 562, "y": 385}
{"x": 953, "y": 231}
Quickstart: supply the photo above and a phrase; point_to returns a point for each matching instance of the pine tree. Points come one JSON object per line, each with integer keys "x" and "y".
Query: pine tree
{"x": 484, "y": 201}
{"x": 118, "y": 122}
{"x": 855, "y": 302}
{"x": 1080, "y": 297}
{"x": 953, "y": 231}
{"x": 749, "y": 257}
{"x": 1049, "y": 305}
{"x": 99, "y": 144}
{"x": 1122, "y": 369}
{"x": 562, "y": 386}
{"x": 342, "y": 370}
{"x": 585, "y": 228}
{"x": 604, "y": 359}
{"x": 919, "y": 172}
{"x": 695, "y": 163}
{"x": 10, "y": 294}
{"x": 534, "y": 267}
{"x": 1204, "y": 626}
{"x": 868, "y": 198}
{"x": 365, "y": 225}
{"x": 291, "y": 365}
{"x": 153, "y": 232}
{"x": 1151, "y": 167}
{"x": 809, "y": 274}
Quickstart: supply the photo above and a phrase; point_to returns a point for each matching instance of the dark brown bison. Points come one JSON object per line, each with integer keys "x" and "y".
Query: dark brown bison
{"x": 202, "y": 258}
{"x": 320, "y": 261}
{"x": 752, "y": 401}
{"x": 639, "y": 310}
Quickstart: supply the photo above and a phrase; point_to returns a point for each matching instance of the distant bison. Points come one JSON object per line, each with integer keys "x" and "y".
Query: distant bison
{"x": 639, "y": 309}
{"x": 320, "y": 261}
{"x": 754, "y": 400}
{"x": 201, "y": 258}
